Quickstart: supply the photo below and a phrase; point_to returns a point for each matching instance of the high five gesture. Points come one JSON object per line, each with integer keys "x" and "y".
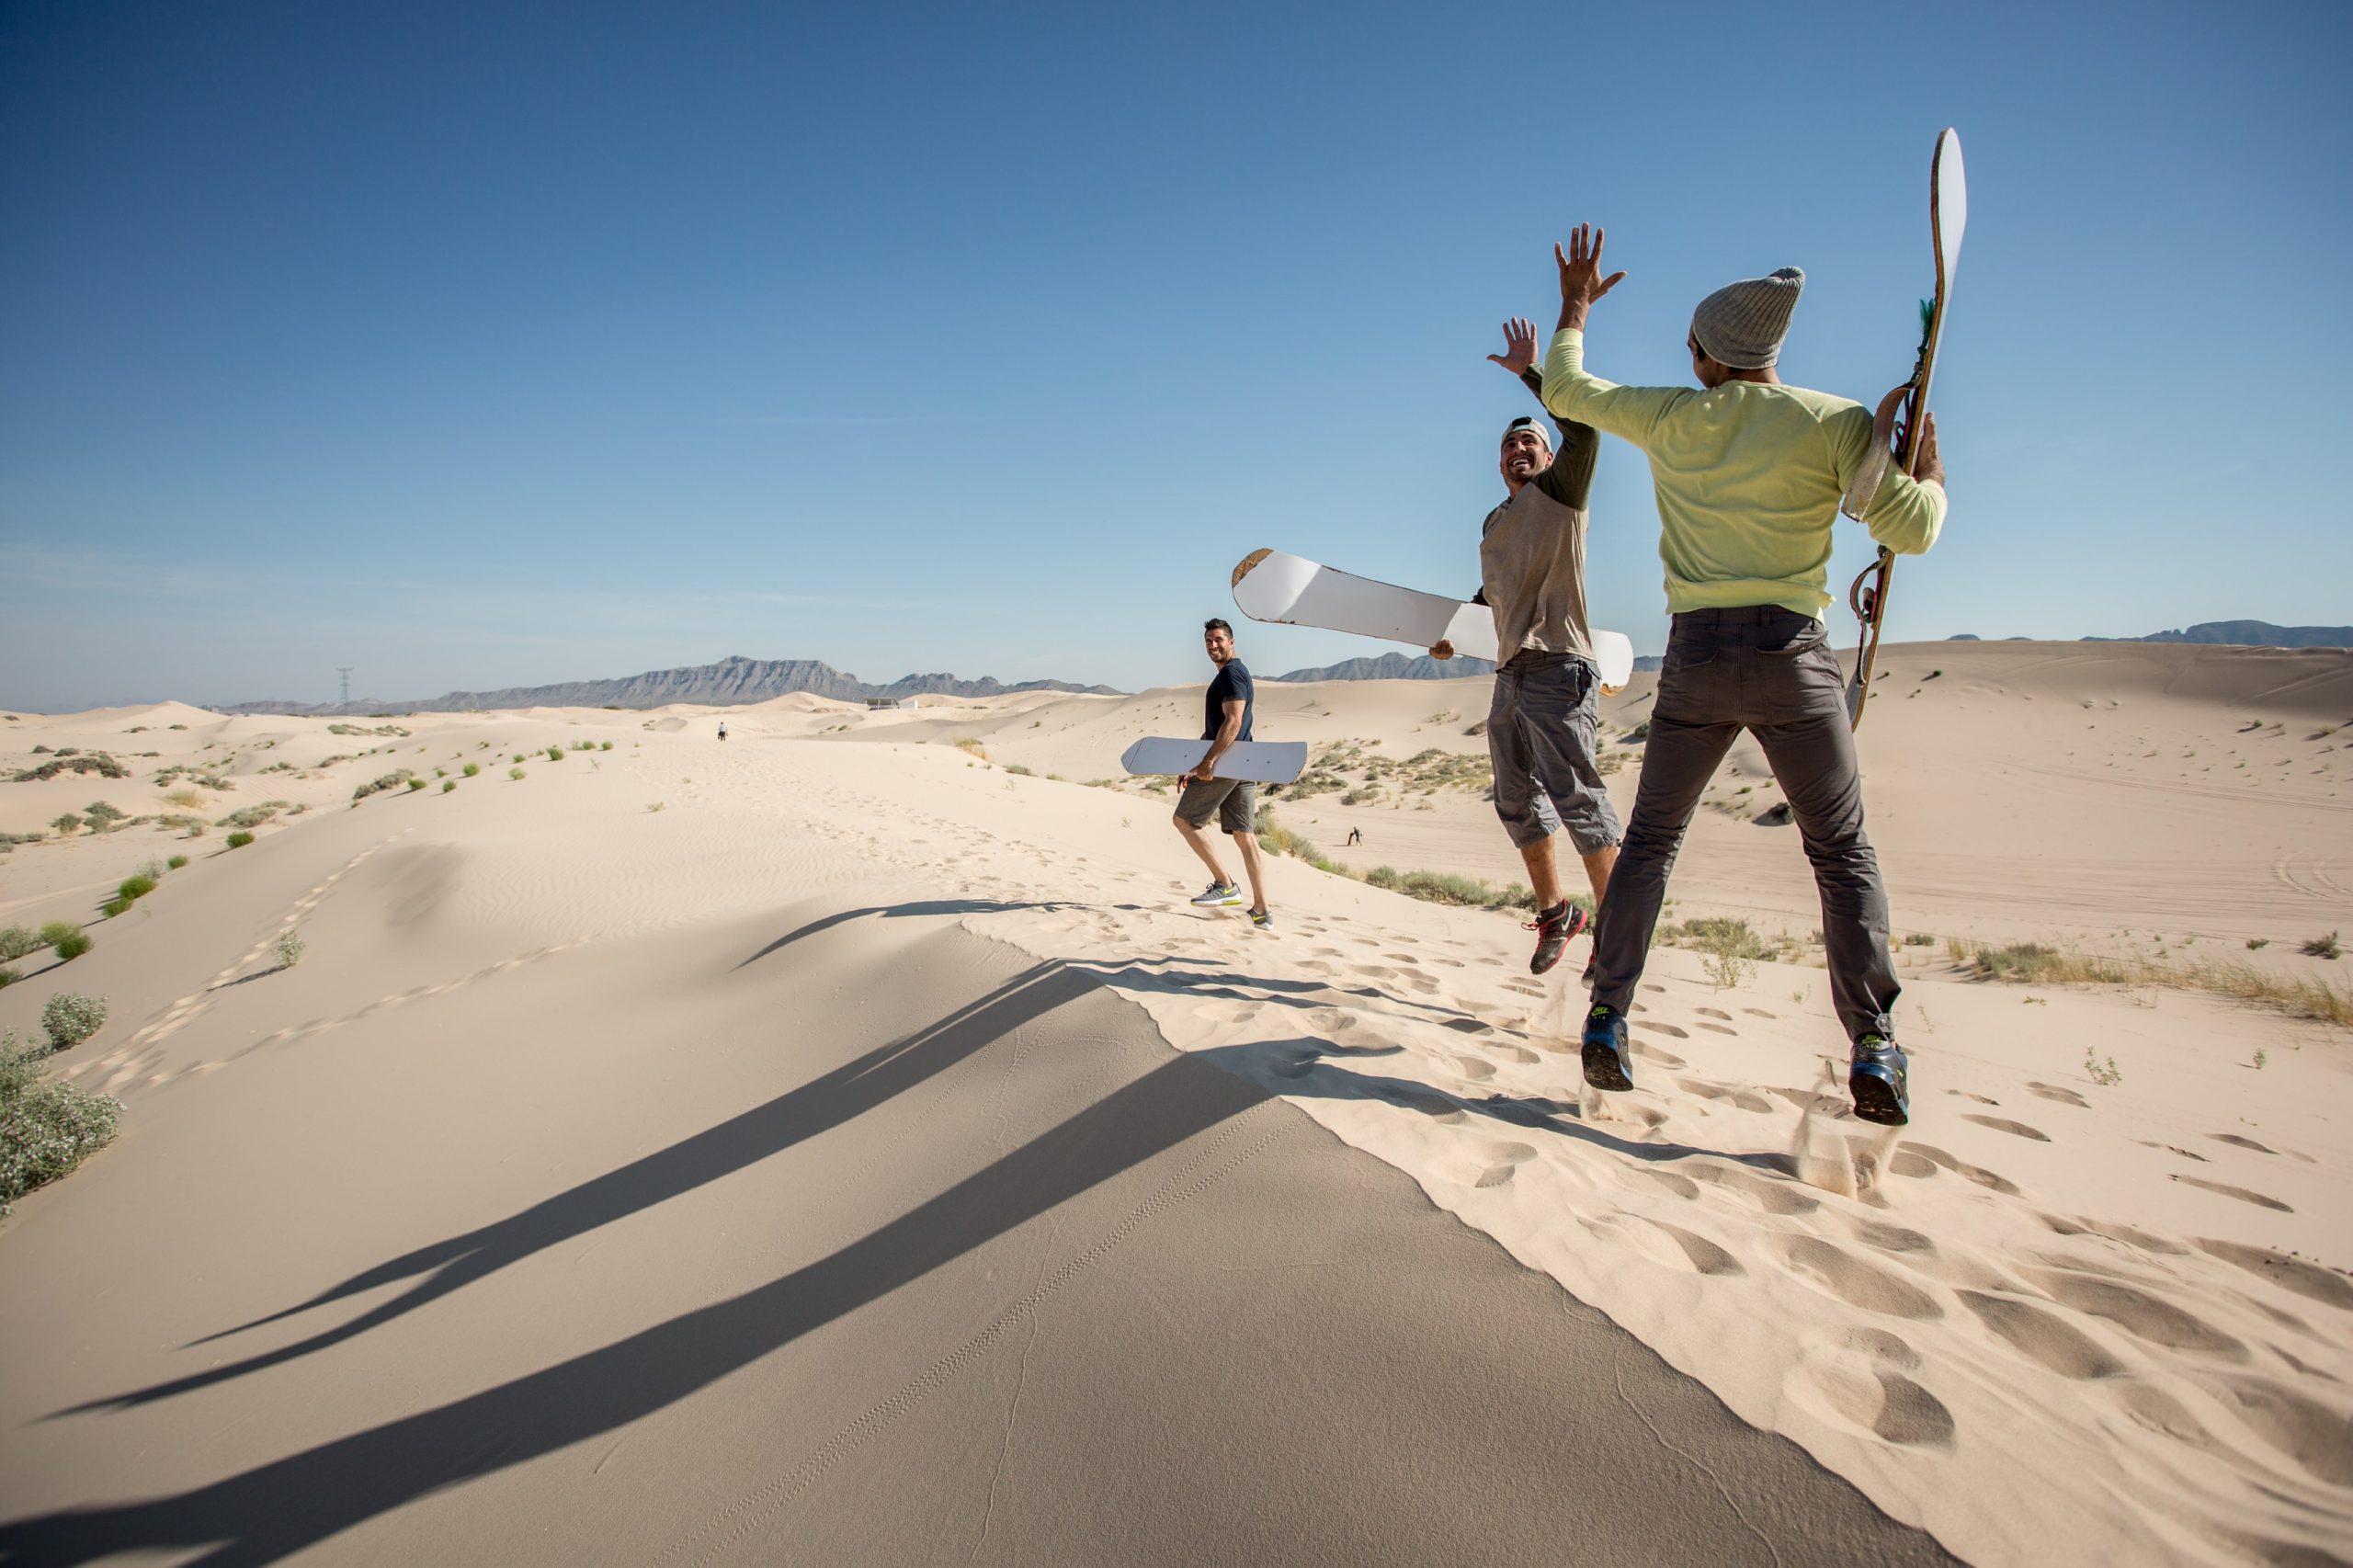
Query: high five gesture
{"x": 1581, "y": 279}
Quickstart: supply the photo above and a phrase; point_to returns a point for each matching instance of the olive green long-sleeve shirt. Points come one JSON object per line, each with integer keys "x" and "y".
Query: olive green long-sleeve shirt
{"x": 1748, "y": 478}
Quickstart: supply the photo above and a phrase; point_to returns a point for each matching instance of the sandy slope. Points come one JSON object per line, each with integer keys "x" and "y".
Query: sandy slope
{"x": 802, "y": 1167}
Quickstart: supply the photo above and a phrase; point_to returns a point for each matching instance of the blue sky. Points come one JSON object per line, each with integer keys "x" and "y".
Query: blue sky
{"x": 476, "y": 346}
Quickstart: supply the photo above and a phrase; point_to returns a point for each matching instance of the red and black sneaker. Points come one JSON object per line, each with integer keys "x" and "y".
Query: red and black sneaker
{"x": 1553, "y": 928}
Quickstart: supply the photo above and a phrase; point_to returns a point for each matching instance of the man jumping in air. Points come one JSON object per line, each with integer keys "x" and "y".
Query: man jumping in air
{"x": 1542, "y": 721}
{"x": 1749, "y": 473}
{"x": 1225, "y": 723}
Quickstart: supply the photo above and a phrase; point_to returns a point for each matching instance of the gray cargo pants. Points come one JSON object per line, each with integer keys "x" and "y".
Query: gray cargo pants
{"x": 1771, "y": 671}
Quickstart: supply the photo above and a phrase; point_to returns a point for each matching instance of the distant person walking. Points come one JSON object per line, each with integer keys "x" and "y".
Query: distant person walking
{"x": 1225, "y": 723}
{"x": 1543, "y": 719}
{"x": 722, "y": 729}
{"x": 1749, "y": 473}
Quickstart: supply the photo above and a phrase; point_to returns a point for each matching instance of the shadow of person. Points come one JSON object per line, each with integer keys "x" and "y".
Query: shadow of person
{"x": 848, "y": 1091}
{"x": 275, "y": 1509}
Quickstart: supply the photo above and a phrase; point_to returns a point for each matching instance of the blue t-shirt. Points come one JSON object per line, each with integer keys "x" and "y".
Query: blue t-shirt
{"x": 1233, "y": 681}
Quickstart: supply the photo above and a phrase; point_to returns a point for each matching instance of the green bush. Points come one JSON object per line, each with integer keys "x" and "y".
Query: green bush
{"x": 606, "y": 746}
{"x": 2324, "y": 947}
{"x": 68, "y": 761}
{"x": 136, "y": 887}
{"x": 447, "y": 785}
{"x": 177, "y": 861}
{"x": 15, "y": 942}
{"x": 66, "y": 940}
{"x": 70, "y": 1017}
{"x": 8, "y": 977}
{"x": 239, "y": 840}
{"x": 392, "y": 780}
{"x": 115, "y": 906}
{"x": 514, "y": 773}
{"x": 470, "y": 770}
{"x": 102, "y": 816}
{"x": 66, "y": 823}
{"x": 45, "y": 1128}
{"x": 518, "y": 757}
{"x": 414, "y": 784}
{"x": 289, "y": 948}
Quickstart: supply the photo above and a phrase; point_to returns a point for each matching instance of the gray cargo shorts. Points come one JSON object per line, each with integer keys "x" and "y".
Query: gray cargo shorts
{"x": 1236, "y": 801}
{"x": 1542, "y": 731}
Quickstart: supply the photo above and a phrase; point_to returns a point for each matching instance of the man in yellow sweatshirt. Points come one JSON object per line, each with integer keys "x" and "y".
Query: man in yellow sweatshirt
{"x": 1749, "y": 473}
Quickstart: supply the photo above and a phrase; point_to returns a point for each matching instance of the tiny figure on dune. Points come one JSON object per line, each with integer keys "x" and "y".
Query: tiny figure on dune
{"x": 1543, "y": 719}
{"x": 1225, "y": 723}
{"x": 1355, "y": 836}
{"x": 1749, "y": 473}
{"x": 722, "y": 729}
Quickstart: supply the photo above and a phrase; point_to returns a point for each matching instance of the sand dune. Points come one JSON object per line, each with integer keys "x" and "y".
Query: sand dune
{"x": 829, "y": 1164}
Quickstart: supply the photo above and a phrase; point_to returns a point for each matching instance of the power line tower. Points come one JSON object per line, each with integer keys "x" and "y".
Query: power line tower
{"x": 344, "y": 671}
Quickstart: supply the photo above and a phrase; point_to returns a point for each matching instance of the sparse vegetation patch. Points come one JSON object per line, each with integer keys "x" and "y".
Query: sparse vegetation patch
{"x": 46, "y": 1129}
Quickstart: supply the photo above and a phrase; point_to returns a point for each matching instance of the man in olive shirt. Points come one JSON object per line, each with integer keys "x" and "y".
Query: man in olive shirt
{"x": 1542, "y": 722}
{"x": 1749, "y": 473}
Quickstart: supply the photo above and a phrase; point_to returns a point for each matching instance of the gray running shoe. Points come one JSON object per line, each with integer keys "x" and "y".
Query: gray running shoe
{"x": 1263, "y": 919}
{"x": 1216, "y": 894}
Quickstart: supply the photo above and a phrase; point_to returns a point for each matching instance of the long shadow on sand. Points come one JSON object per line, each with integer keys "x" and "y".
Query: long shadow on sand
{"x": 937, "y": 906}
{"x": 794, "y": 1116}
{"x": 1303, "y": 1067}
{"x": 275, "y": 1509}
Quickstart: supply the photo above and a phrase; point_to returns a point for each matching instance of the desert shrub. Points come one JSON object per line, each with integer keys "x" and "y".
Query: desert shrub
{"x": 66, "y": 823}
{"x": 176, "y": 862}
{"x": 251, "y": 816}
{"x": 470, "y": 770}
{"x": 102, "y": 816}
{"x": 70, "y": 1017}
{"x": 185, "y": 798}
{"x": 447, "y": 785}
{"x": 8, "y": 977}
{"x": 513, "y": 773}
{"x": 46, "y": 1129}
{"x": 66, "y": 940}
{"x": 1016, "y": 767}
{"x": 1384, "y": 877}
{"x": 10, "y": 840}
{"x": 16, "y": 941}
{"x": 2324, "y": 947}
{"x": 68, "y": 761}
{"x": 414, "y": 784}
{"x": 1919, "y": 939}
{"x": 239, "y": 840}
{"x": 2255, "y": 943}
{"x": 606, "y": 746}
{"x": 555, "y": 753}
{"x": 289, "y": 949}
{"x": 967, "y": 743}
{"x": 518, "y": 757}
{"x": 115, "y": 906}
{"x": 391, "y": 780}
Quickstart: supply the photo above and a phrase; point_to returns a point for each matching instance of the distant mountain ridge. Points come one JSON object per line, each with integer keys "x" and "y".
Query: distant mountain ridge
{"x": 2249, "y": 635}
{"x": 732, "y": 682}
{"x": 1420, "y": 666}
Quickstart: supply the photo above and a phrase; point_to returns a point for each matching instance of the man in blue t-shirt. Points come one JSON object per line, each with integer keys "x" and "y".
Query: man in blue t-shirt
{"x": 1226, "y": 721}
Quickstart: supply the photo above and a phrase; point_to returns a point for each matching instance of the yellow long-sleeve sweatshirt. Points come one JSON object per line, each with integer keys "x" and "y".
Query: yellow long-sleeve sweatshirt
{"x": 1748, "y": 478}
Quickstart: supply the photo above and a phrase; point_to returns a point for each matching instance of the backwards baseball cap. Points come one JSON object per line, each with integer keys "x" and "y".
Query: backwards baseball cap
{"x": 1533, "y": 426}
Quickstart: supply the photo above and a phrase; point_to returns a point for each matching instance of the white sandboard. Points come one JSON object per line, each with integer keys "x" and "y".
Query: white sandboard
{"x": 1290, "y": 590}
{"x": 1257, "y": 762}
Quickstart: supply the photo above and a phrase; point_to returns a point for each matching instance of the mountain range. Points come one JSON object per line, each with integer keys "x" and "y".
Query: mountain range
{"x": 731, "y": 681}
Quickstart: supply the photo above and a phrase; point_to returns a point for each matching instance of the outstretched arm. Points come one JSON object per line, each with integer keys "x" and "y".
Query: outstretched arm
{"x": 1582, "y": 284}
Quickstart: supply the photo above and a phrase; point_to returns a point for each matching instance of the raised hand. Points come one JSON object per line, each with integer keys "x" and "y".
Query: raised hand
{"x": 1581, "y": 279}
{"x": 1519, "y": 351}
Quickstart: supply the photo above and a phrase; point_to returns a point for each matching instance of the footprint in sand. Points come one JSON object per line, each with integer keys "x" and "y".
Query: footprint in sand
{"x": 2242, "y": 1194}
{"x": 2288, "y": 1273}
{"x": 1650, "y": 1052}
{"x": 1977, "y": 1174}
{"x": 1773, "y": 1196}
{"x": 1525, "y": 987}
{"x": 2304, "y": 1430}
{"x": 1429, "y": 1102}
{"x": 1525, "y": 1057}
{"x": 1478, "y": 1069}
{"x": 2042, "y": 1336}
{"x": 2235, "y": 1141}
{"x": 1759, "y": 1012}
{"x": 1713, "y": 1012}
{"x": 2063, "y": 1096}
{"x": 2171, "y": 1149}
{"x": 1964, "y": 1093}
{"x": 1746, "y": 1099}
{"x": 1851, "y": 1278}
{"x": 1717, "y": 1028}
{"x": 2014, "y": 1129}
{"x": 2138, "y": 1313}
{"x": 1670, "y": 1246}
{"x": 1649, "y": 985}
{"x": 1861, "y": 1381}
{"x": 1671, "y": 1030}
{"x": 1483, "y": 1163}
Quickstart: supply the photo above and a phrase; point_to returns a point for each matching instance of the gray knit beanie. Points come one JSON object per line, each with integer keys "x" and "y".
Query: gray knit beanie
{"x": 1741, "y": 325}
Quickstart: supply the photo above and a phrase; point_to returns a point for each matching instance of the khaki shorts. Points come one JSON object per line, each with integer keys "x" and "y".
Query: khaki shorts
{"x": 1236, "y": 801}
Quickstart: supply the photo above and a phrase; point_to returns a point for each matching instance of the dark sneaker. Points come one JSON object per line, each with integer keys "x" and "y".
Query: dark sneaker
{"x": 1216, "y": 894}
{"x": 1879, "y": 1079}
{"x": 1608, "y": 1060}
{"x": 1263, "y": 919}
{"x": 1553, "y": 928}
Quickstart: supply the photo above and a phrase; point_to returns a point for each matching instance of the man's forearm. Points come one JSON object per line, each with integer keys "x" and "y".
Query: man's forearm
{"x": 1574, "y": 313}
{"x": 1225, "y": 742}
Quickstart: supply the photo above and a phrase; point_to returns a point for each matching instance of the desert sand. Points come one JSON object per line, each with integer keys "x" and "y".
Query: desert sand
{"x": 836, "y": 1145}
